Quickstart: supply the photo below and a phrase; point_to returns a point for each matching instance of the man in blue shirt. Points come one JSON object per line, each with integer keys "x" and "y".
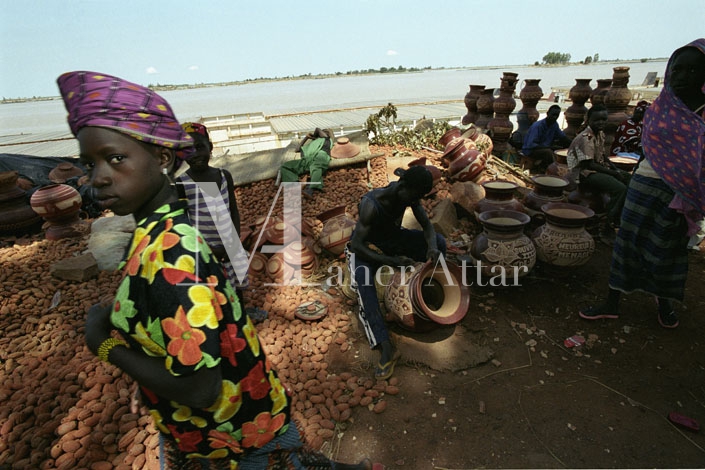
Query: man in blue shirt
{"x": 543, "y": 137}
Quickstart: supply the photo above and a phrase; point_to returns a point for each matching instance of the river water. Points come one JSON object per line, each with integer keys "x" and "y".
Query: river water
{"x": 281, "y": 97}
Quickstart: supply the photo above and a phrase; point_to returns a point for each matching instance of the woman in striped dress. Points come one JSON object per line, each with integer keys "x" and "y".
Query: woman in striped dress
{"x": 666, "y": 196}
{"x": 212, "y": 206}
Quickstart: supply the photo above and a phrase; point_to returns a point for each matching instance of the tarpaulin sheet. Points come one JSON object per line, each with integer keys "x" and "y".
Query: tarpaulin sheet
{"x": 258, "y": 166}
{"x": 35, "y": 169}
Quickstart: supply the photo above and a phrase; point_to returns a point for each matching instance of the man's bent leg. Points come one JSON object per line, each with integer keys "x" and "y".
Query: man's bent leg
{"x": 362, "y": 279}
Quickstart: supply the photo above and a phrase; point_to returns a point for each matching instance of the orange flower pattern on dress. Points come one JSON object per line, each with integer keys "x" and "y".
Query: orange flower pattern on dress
{"x": 185, "y": 341}
{"x": 261, "y": 430}
{"x": 174, "y": 302}
{"x": 221, "y": 440}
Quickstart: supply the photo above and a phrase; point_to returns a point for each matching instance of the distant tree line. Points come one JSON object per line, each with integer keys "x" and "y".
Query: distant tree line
{"x": 553, "y": 58}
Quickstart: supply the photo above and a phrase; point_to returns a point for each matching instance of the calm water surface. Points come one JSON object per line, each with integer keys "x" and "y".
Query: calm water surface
{"x": 328, "y": 93}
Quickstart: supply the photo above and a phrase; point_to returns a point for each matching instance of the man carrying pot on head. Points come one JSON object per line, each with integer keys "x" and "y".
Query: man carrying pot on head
{"x": 379, "y": 224}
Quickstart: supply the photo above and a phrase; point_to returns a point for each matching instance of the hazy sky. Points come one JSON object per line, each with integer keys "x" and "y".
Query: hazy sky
{"x": 173, "y": 42}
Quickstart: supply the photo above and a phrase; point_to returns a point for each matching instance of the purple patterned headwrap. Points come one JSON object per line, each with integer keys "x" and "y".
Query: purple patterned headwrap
{"x": 101, "y": 100}
{"x": 674, "y": 144}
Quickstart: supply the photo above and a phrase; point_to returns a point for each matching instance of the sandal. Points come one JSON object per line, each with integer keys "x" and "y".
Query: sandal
{"x": 669, "y": 320}
{"x": 596, "y": 313}
{"x": 384, "y": 371}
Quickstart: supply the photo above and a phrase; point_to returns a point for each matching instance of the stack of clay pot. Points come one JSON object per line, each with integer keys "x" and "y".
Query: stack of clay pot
{"x": 286, "y": 262}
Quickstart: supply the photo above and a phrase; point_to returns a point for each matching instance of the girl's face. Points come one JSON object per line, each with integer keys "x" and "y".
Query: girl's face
{"x": 126, "y": 174}
{"x": 202, "y": 154}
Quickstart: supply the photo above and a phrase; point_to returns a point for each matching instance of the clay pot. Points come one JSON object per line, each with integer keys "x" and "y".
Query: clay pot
{"x": 501, "y": 126}
{"x": 575, "y": 114}
{"x": 616, "y": 101}
{"x": 16, "y": 214}
{"x": 499, "y": 195}
{"x": 467, "y": 166}
{"x": 343, "y": 148}
{"x": 502, "y": 247}
{"x": 258, "y": 263}
{"x": 278, "y": 269}
{"x": 483, "y": 142}
{"x": 509, "y": 81}
{"x": 546, "y": 189}
{"x": 59, "y": 205}
{"x": 470, "y": 100}
{"x": 485, "y": 108}
{"x": 581, "y": 91}
{"x": 298, "y": 254}
{"x": 422, "y": 299}
{"x": 530, "y": 95}
{"x": 63, "y": 172}
{"x": 277, "y": 232}
{"x": 598, "y": 94}
{"x": 450, "y": 134}
{"x": 563, "y": 239}
{"x": 559, "y": 167}
{"x": 337, "y": 230}
{"x": 453, "y": 149}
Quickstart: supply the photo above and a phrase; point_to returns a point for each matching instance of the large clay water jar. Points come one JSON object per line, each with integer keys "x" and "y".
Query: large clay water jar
{"x": 485, "y": 108}
{"x": 616, "y": 101}
{"x": 575, "y": 114}
{"x": 598, "y": 94}
{"x": 563, "y": 239}
{"x": 427, "y": 297}
{"x": 502, "y": 247}
{"x": 559, "y": 167}
{"x": 499, "y": 195}
{"x": 16, "y": 214}
{"x": 529, "y": 95}
{"x": 547, "y": 188}
{"x": 471, "y": 104}
{"x": 337, "y": 230}
{"x": 59, "y": 205}
{"x": 468, "y": 165}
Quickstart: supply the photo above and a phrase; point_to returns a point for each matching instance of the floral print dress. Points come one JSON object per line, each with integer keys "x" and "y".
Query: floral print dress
{"x": 174, "y": 303}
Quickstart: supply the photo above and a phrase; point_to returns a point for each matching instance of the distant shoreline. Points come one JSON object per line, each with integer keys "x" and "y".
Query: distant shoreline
{"x": 335, "y": 75}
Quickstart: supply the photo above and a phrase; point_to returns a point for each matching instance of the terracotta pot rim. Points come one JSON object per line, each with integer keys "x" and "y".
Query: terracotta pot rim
{"x": 330, "y": 213}
{"x": 522, "y": 219}
{"x": 428, "y": 270}
{"x": 586, "y": 213}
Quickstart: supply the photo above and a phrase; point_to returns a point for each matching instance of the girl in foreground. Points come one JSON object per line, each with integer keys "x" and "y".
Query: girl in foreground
{"x": 181, "y": 333}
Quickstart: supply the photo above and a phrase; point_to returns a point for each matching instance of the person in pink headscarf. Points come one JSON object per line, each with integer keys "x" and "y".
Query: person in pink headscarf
{"x": 665, "y": 201}
{"x": 175, "y": 325}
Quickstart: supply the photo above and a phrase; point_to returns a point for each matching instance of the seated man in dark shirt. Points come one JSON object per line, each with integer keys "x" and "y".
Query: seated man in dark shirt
{"x": 379, "y": 224}
{"x": 543, "y": 137}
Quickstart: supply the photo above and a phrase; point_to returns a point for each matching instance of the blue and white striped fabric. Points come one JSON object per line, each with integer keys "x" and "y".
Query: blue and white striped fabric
{"x": 210, "y": 214}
